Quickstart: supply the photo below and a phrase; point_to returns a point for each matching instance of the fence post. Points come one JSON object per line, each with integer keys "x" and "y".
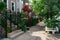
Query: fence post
{"x": 6, "y": 24}
{"x": 11, "y": 22}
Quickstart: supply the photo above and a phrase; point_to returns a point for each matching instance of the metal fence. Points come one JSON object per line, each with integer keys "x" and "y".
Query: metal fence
{"x": 13, "y": 21}
{"x": 10, "y": 20}
{"x": 3, "y": 25}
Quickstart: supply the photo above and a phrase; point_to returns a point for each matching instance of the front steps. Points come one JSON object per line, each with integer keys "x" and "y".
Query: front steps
{"x": 15, "y": 34}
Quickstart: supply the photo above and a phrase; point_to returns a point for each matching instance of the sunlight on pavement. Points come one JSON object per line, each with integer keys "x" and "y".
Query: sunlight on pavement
{"x": 44, "y": 36}
{"x": 40, "y": 34}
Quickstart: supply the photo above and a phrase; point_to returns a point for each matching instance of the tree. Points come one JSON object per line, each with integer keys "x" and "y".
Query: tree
{"x": 2, "y": 6}
{"x": 47, "y": 9}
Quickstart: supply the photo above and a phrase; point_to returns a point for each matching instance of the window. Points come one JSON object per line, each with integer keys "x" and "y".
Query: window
{"x": 12, "y": 6}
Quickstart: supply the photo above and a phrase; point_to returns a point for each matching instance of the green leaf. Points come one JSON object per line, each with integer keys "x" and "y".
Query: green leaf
{"x": 55, "y": 8}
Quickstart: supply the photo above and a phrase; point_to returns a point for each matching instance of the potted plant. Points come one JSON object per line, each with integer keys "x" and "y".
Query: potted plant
{"x": 48, "y": 9}
{"x": 27, "y": 11}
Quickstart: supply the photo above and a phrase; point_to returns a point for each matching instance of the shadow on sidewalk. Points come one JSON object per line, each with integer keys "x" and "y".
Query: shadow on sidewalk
{"x": 37, "y": 28}
{"x": 35, "y": 38}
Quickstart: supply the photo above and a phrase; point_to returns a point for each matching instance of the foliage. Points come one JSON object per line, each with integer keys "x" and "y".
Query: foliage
{"x": 47, "y": 9}
{"x": 13, "y": 18}
{"x": 3, "y": 20}
{"x": 44, "y": 7}
{"x": 2, "y": 6}
{"x": 8, "y": 29}
{"x": 34, "y": 21}
{"x": 23, "y": 27}
{"x": 8, "y": 16}
{"x": 51, "y": 23}
{"x": 22, "y": 21}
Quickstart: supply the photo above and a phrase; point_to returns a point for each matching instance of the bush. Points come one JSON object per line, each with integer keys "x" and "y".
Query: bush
{"x": 23, "y": 27}
{"x": 48, "y": 9}
{"x": 31, "y": 22}
{"x": 2, "y": 6}
{"x": 34, "y": 21}
{"x": 8, "y": 16}
{"x": 52, "y": 23}
{"x": 8, "y": 29}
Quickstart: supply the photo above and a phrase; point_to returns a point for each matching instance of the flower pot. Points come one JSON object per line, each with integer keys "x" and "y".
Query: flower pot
{"x": 53, "y": 30}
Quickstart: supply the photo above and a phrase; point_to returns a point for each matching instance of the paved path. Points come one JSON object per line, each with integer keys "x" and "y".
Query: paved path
{"x": 37, "y": 33}
{"x": 28, "y": 35}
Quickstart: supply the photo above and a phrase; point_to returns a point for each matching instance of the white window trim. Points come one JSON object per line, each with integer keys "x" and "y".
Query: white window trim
{"x": 11, "y": 5}
{"x": 7, "y": 5}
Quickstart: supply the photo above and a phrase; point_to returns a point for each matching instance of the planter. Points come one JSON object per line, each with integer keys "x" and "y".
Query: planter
{"x": 53, "y": 30}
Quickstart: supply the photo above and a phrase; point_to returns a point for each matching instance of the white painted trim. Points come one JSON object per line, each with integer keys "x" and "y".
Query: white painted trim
{"x": 52, "y": 30}
{"x": 11, "y": 5}
{"x": 7, "y": 5}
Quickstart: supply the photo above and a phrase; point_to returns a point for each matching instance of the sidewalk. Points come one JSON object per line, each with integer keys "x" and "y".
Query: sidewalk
{"x": 28, "y": 35}
{"x": 36, "y": 33}
{"x": 14, "y": 34}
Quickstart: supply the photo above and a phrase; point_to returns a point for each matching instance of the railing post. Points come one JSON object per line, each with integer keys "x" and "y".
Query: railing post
{"x": 6, "y": 24}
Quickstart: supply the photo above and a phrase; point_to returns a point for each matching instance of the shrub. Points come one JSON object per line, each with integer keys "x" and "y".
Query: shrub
{"x": 8, "y": 16}
{"x": 2, "y": 6}
{"x": 8, "y": 29}
{"x": 47, "y": 9}
{"x": 34, "y": 21}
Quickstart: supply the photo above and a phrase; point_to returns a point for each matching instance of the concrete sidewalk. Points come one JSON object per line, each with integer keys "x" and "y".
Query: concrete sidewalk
{"x": 37, "y": 33}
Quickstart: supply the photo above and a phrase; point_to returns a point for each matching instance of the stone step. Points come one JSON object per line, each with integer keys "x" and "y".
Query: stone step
{"x": 15, "y": 34}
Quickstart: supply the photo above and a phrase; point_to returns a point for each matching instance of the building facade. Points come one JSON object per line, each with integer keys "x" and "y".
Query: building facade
{"x": 14, "y": 5}
{"x": 25, "y": 1}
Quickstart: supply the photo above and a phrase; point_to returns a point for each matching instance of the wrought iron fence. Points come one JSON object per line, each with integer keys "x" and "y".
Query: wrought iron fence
{"x": 3, "y": 25}
{"x": 13, "y": 21}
